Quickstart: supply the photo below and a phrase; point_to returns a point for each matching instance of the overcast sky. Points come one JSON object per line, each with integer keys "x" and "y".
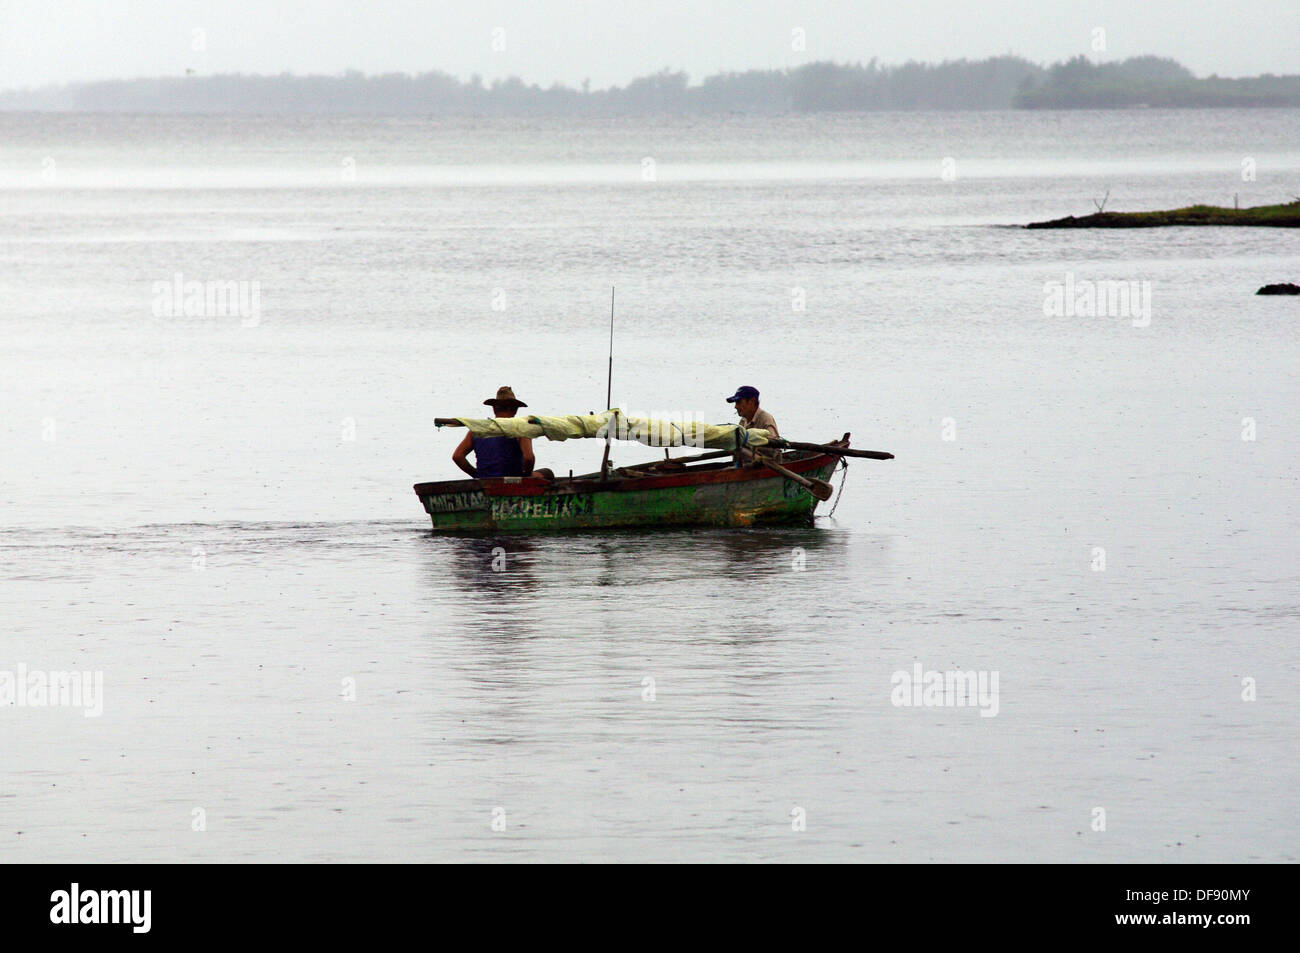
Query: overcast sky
{"x": 56, "y": 41}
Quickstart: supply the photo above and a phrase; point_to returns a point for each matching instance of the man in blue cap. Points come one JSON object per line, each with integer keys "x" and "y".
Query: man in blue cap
{"x": 753, "y": 417}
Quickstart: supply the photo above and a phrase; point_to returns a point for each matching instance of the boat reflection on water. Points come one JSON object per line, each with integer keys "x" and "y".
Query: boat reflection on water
{"x": 539, "y": 637}
{"x": 519, "y": 584}
{"x": 497, "y": 566}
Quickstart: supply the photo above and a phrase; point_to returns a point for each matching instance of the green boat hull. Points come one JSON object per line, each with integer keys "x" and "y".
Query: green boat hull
{"x": 712, "y": 496}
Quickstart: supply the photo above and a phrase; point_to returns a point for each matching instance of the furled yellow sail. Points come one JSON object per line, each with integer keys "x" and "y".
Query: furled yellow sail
{"x": 651, "y": 432}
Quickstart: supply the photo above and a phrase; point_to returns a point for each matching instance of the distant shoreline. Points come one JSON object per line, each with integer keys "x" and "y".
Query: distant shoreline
{"x": 1286, "y": 215}
{"x": 1002, "y": 82}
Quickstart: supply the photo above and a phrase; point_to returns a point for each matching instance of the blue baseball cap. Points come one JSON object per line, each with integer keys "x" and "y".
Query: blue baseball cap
{"x": 743, "y": 392}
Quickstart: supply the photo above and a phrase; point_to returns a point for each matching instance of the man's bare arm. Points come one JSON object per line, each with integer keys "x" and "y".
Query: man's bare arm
{"x": 526, "y": 447}
{"x": 461, "y": 452}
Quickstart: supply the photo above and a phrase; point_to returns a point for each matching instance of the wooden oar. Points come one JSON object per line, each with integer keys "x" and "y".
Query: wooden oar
{"x": 818, "y": 488}
{"x": 711, "y": 455}
{"x": 824, "y": 448}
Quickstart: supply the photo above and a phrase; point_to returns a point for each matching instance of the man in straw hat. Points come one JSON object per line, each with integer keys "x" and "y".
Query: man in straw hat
{"x": 497, "y": 456}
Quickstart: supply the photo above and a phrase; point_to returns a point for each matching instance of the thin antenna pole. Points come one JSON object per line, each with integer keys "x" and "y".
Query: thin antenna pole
{"x": 609, "y": 384}
{"x": 609, "y": 381}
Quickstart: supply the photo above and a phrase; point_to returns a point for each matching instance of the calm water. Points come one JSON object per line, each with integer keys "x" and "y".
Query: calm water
{"x": 216, "y": 512}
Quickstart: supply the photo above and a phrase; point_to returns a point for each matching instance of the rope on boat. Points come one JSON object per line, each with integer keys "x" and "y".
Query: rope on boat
{"x": 844, "y": 465}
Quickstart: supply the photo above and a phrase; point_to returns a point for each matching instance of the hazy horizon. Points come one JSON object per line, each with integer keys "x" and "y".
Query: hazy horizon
{"x": 573, "y": 41}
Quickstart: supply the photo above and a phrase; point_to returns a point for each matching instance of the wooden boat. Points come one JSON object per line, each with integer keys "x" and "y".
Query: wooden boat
{"x": 661, "y": 493}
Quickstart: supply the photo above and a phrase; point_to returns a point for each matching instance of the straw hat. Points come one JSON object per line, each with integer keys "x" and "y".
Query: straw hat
{"x": 505, "y": 398}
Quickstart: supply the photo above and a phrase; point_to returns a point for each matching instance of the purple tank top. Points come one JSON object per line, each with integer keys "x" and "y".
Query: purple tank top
{"x": 498, "y": 457}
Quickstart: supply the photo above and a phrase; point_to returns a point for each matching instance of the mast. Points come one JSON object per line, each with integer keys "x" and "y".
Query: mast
{"x": 609, "y": 384}
{"x": 609, "y": 380}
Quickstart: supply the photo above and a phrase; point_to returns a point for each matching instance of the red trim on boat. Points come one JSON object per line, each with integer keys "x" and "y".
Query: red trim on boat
{"x": 534, "y": 486}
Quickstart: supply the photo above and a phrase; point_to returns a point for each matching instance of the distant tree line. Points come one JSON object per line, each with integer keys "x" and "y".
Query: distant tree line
{"x": 1147, "y": 81}
{"x": 1001, "y": 82}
